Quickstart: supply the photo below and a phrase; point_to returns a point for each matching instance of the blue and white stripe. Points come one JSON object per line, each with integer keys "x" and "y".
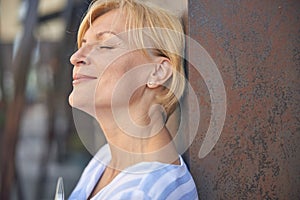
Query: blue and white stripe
{"x": 161, "y": 182}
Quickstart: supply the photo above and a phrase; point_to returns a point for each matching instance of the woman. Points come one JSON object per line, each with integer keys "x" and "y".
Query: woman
{"x": 128, "y": 74}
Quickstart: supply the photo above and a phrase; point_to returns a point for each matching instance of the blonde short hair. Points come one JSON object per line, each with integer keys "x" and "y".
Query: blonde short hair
{"x": 163, "y": 28}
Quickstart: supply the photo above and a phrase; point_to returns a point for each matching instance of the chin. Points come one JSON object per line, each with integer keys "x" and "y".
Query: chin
{"x": 71, "y": 100}
{"x": 81, "y": 104}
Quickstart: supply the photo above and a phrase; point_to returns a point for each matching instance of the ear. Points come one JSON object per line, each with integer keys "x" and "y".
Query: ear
{"x": 160, "y": 74}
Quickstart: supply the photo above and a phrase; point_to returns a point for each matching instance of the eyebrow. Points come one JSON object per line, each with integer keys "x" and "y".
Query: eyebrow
{"x": 99, "y": 35}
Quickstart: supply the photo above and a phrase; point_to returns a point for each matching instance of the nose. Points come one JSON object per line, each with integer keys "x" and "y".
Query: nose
{"x": 79, "y": 57}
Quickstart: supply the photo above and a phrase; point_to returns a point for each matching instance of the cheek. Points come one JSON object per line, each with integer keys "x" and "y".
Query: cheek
{"x": 120, "y": 80}
{"x": 106, "y": 85}
{"x": 115, "y": 70}
{"x": 109, "y": 85}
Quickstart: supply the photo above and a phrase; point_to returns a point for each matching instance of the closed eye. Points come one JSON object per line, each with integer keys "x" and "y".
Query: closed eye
{"x": 106, "y": 47}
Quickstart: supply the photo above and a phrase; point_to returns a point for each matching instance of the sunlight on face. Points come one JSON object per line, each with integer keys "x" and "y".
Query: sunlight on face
{"x": 101, "y": 62}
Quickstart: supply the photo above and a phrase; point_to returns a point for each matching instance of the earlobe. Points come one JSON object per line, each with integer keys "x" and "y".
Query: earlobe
{"x": 160, "y": 74}
{"x": 151, "y": 84}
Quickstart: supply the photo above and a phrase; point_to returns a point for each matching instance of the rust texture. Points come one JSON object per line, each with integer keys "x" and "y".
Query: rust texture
{"x": 256, "y": 46}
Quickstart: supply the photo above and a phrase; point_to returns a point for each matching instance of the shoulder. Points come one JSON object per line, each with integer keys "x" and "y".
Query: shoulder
{"x": 170, "y": 182}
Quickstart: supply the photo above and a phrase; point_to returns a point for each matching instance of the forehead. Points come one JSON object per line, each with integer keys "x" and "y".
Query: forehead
{"x": 110, "y": 22}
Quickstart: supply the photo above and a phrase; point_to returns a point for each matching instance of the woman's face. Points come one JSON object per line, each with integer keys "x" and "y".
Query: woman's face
{"x": 102, "y": 61}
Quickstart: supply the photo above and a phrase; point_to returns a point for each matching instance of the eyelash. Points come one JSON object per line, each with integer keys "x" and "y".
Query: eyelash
{"x": 105, "y": 47}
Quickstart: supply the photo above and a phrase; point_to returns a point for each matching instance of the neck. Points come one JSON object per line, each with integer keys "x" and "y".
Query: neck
{"x": 144, "y": 138}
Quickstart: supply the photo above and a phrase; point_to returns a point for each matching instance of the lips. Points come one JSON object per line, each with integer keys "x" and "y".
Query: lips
{"x": 78, "y": 78}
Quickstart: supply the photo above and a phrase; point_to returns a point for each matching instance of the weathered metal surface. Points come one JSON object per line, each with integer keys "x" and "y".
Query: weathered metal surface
{"x": 256, "y": 46}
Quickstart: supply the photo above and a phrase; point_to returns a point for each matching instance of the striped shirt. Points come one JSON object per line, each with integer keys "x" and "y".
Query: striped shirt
{"x": 160, "y": 182}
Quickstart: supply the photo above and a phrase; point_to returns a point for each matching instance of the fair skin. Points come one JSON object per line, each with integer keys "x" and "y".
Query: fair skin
{"x": 111, "y": 84}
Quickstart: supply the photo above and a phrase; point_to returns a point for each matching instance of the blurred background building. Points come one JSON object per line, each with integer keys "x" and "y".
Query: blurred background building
{"x": 38, "y": 139}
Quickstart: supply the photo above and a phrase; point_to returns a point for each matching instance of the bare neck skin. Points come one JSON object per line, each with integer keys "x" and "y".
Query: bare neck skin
{"x": 143, "y": 138}
{"x": 128, "y": 149}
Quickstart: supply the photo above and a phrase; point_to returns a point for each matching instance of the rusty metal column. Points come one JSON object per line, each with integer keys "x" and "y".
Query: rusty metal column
{"x": 256, "y": 47}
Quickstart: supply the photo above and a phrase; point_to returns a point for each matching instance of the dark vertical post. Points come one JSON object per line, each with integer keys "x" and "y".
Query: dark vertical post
{"x": 256, "y": 47}
{"x": 15, "y": 107}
